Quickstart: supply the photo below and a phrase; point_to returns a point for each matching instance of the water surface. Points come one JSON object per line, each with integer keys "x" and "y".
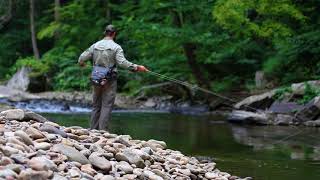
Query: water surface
{"x": 262, "y": 152}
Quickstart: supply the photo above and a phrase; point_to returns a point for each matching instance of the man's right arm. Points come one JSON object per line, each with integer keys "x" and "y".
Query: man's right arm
{"x": 86, "y": 55}
{"x": 123, "y": 62}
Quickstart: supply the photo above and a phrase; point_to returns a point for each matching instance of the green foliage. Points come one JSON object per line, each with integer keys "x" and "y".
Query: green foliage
{"x": 309, "y": 93}
{"x": 231, "y": 40}
{"x": 38, "y": 67}
{"x": 225, "y": 84}
{"x": 299, "y": 56}
{"x": 282, "y": 92}
{"x": 261, "y": 18}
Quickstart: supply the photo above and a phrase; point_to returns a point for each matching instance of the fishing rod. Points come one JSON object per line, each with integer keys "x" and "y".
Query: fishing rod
{"x": 195, "y": 87}
{"x": 299, "y": 131}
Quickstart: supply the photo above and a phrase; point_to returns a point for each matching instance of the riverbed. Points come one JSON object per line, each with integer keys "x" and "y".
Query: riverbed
{"x": 261, "y": 152}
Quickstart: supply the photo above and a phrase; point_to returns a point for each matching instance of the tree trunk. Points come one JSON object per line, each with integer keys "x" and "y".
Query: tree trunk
{"x": 33, "y": 32}
{"x": 56, "y": 10}
{"x": 189, "y": 50}
{"x": 108, "y": 12}
{"x": 57, "y": 6}
{"x": 5, "y": 19}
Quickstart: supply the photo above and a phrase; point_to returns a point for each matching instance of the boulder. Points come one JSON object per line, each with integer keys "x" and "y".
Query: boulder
{"x": 311, "y": 111}
{"x": 20, "y": 80}
{"x": 71, "y": 153}
{"x": 299, "y": 88}
{"x": 262, "y": 101}
{"x": 13, "y": 114}
{"x": 247, "y": 117}
{"x": 285, "y": 107}
{"x": 29, "y": 115}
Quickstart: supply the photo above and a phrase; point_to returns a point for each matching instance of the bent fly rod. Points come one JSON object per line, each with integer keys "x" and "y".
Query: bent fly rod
{"x": 195, "y": 87}
{"x": 300, "y": 131}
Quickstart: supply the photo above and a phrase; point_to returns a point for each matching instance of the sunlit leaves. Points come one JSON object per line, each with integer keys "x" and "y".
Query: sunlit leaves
{"x": 262, "y": 18}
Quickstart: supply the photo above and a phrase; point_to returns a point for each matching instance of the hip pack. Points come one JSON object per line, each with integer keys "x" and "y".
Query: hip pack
{"x": 101, "y": 74}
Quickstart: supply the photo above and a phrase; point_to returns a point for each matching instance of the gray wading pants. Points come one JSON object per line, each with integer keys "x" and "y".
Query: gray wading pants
{"x": 103, "y": 100}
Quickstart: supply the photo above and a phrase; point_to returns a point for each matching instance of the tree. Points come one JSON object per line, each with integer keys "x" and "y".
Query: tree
{"x": 7, "y": 14}
{"x": 33, "y": 31}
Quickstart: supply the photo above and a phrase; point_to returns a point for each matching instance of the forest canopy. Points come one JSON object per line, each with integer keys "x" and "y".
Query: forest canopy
{"x": 216, "y": 44}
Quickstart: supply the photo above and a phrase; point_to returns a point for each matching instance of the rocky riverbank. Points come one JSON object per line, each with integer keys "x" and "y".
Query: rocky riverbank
{"x": 288, "y": 109}
{"x": 33, "y": 148}
{"x": 60, "y": 102}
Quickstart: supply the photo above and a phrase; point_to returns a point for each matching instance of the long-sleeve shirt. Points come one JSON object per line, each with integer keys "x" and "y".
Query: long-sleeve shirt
{"x": 106, "y": 53}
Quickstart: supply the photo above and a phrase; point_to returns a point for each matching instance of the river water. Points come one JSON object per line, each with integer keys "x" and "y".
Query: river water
{"x": 261, "y": 152}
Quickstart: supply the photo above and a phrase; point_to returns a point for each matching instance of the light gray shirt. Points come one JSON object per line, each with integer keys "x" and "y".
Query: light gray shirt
{"x": 107, "y": 53}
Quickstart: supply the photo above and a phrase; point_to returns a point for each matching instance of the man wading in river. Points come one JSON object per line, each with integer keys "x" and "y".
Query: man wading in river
{"x": 106, "y": 55}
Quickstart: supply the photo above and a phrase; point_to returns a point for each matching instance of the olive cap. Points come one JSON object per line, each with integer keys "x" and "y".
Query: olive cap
{"x": 110, "y": 28}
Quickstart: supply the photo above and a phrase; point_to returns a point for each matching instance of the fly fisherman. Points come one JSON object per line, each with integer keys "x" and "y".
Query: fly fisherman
{"x": 106, "y": 56}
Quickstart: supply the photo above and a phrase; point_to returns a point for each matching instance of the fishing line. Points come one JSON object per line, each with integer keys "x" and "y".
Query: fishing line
{"x": 195, "y": 87}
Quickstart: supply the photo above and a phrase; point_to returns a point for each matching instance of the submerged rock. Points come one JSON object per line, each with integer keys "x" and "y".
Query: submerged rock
{"x": 311, "y": 111}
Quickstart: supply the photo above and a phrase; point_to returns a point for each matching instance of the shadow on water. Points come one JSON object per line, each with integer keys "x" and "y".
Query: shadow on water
{"x": 254, "y": 151}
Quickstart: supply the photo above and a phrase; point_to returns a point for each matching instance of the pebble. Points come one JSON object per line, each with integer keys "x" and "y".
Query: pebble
{"x": 87, "y": 168}
{"x": 100, "y": 162}
{"x": 71, "y": 153}
{"x": 45, "y": 150}
{"x": 7, "y": 172}
{"x": 42, "y": 164}
{"x": 211, "y": 175}
{"x": 43, "y": 146}
{"x": 124, "y": 166}
{"x": 34, "y": 133}
{"x": 24, "y": 136}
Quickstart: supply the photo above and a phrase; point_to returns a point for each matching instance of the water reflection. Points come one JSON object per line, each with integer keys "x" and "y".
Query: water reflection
{"x": 300, "y": 142}
{"x": 254, "y": 151}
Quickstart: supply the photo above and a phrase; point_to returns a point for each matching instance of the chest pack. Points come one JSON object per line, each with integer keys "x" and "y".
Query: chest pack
{"x": 100, "y": 75}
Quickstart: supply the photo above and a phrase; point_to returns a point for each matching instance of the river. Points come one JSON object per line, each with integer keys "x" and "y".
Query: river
{"x": 261, "y": 152}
